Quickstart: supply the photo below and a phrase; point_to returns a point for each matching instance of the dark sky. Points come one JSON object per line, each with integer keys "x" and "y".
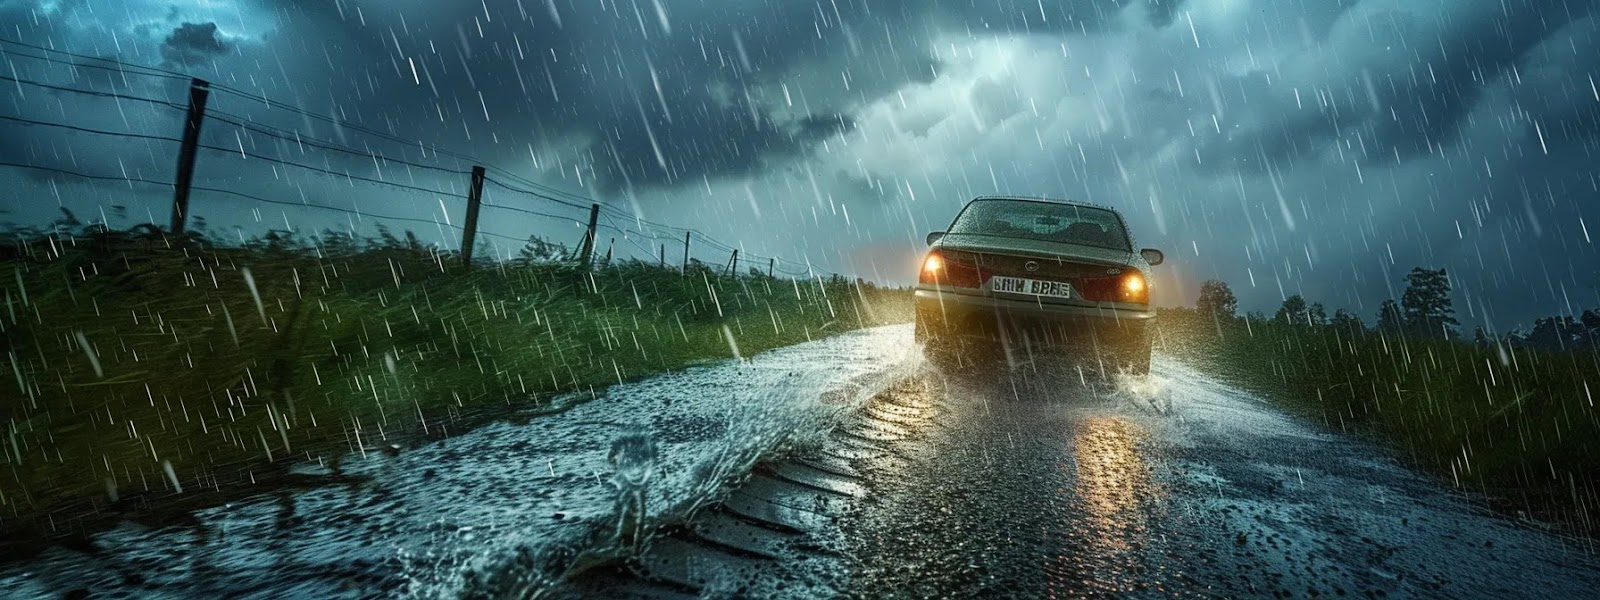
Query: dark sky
{"x": 1321, "y": 147}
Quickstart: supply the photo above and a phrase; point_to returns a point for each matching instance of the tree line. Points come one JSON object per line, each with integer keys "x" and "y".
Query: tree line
{"x": 1424, "y": 310}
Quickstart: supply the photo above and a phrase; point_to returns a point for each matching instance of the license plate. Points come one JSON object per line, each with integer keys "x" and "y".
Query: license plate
{"x": 1032, "y": 287}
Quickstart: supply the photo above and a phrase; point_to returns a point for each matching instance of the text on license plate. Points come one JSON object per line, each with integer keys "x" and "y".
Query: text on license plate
{"x": 1018, "y": 285}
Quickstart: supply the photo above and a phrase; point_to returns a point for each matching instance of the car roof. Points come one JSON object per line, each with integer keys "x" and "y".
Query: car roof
{"x": 1047, "y": 201}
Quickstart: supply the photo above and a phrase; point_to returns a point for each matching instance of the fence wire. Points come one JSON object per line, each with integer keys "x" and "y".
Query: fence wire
{"x": 251, "y": 135}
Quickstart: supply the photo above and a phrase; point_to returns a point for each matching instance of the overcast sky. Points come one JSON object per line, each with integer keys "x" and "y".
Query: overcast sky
{"x": 1320, "y": 147}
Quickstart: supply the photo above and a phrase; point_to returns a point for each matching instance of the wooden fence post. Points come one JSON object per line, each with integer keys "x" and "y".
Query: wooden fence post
{"x": 199, "y": 92}
{"x": 469, "y": 231}
{"x": 588, "y": 238}
{"x": 686, "y": 251}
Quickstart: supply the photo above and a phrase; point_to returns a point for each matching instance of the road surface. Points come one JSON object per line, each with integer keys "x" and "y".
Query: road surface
{"x": 848, "y": 467}
{"x": 1031, "y": 480}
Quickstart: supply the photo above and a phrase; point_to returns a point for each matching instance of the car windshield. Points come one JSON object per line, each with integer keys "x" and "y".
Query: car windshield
{"x": 1045, "y": 221}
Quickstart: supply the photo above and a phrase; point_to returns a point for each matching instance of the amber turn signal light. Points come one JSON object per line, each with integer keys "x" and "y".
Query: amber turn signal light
{"x": 1134, "y": 288}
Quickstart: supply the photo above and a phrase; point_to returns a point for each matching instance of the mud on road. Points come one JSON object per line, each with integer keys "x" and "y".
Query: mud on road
{"x": 1036, "y": 480}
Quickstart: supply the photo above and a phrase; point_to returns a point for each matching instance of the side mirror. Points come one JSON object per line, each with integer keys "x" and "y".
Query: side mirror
{"x": 934, "y": 237}
{"x": 1153, "y": 256}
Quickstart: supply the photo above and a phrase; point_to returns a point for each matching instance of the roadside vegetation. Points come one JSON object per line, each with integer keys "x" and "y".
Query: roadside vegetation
{"x": 1512, "y": 417}
{"x": 142, "y": 365}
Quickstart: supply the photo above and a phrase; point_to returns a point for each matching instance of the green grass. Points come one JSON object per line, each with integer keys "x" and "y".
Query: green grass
{"x": 1518, "y": 425}
{"x": 129, "y": 352}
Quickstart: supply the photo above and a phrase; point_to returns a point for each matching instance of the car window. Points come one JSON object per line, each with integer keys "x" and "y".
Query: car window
{"x": 1046, "y": 221}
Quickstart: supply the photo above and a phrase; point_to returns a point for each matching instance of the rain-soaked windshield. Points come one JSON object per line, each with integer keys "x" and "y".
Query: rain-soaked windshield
{"x": 1043, "y": 221}
{"x": 647, "y": 299}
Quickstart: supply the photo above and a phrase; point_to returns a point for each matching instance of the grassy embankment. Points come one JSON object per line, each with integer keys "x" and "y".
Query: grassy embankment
{"x": 1516, "y": 424}
{"x": 139, "y": 363}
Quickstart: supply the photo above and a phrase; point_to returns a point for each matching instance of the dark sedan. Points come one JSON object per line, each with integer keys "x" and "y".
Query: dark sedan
{"x": 1034, "y": 273}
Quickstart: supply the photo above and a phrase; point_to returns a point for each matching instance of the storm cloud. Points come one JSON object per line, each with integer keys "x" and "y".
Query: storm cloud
{"x": 661, "y": 93}
{"x": 1398, "y": 81}
{"x": 1320, "y": 148}
{"x": 191, "y": 43}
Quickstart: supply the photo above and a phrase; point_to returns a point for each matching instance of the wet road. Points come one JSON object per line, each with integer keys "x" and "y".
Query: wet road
{"x": 847, "y": 467}
{"x": 1040, "y": 486}
{"x": 1036, "y": 482}
{"x": 501, "y": 511}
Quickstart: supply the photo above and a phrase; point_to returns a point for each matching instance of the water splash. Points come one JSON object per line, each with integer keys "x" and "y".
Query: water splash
{"x": 633, "y": 458}
{"x": 1149, "y": 391}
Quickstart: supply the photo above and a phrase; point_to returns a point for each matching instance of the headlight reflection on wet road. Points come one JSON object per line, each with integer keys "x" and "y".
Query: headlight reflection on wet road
{"x": 1030, "y": 482}
{"x": 1110, "y": 473}
{"x": 1112, "y": 488}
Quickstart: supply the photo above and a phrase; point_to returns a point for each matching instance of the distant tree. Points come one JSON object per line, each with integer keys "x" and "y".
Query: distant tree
{"x": 1346, "y": 320}
{"x": 1554, "y": 333}
{"x": 1217, "y": 299}
{"x": 1389, "y": 319}
{"x": 1426, "y": 304}
{"x": 386, "y": 238}
{"x": 337, "y": 243}
{"x": 1316, "y": 315}
{"x": 540, "y": 250}
{"x": 1590, "y": 321}
{"x": 1480, "y": 338}
{"x": 67, "y": 222}
{"x": 1292, "y": 311}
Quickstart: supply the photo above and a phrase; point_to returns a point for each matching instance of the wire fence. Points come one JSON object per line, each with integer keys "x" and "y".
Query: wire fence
{"x": 361, "y": 155}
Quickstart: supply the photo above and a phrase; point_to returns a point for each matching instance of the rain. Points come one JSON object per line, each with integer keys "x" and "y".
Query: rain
{"x": 837, "y": 298}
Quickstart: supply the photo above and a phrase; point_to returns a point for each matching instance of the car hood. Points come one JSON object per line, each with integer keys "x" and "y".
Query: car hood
{"x": 1038, "y": 248}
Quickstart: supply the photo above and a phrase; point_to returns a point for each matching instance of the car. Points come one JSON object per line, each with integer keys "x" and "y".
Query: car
{"x": 1042, "y": 273}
